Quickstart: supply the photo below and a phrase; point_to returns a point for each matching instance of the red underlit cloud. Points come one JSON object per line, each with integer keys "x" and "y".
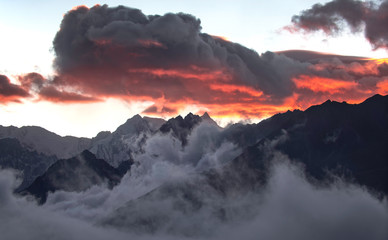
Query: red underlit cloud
{"x": 10, "y": 92}
{"x": 382, "y": 87}
{"x": 54, "y": 95}
{"x": 324, "y": 85}
{"x": 119, "y": 52}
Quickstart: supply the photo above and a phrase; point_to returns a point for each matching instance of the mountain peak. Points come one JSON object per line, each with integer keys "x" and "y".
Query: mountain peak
{"x": 205, "y": 116}
{"x": 133, "y": 125}
{"x": 136, "y": 117}
{"x": 87, "y": 154}
{"x": 328, "y": 101}
{"x": 190, "y": 115}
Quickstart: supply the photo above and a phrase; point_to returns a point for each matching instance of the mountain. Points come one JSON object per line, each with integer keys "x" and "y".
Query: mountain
{"x": 181, "y": 127}
{"x": 154, "y": 123}
{"x": 45, "y": 142}
{"x": 74, "y": 175}
{"x": 206, "y": 118}
{"x": 349, "y": 140}
{"x": 30, "y": 163}
{"x": 128, "y": 139}
{"x": 114, "y": 147}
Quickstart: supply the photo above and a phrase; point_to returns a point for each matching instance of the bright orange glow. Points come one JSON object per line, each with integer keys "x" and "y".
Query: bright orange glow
{"x": 379, "y": 60}
{"x": 79, "y": 7}
{"x": 221, "y": 37}
{"x": 321, "y": 84}
{"x": 383, "y": 86}
{"x": 4, "y": 100}
{"x": 230, "y": 88}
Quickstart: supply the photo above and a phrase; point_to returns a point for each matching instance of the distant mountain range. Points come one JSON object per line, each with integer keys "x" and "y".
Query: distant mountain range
{"x": 349, "y": 140}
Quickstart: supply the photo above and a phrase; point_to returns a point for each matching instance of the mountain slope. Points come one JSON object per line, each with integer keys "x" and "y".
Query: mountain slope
{"x": 120, "y": 145}
{"x": 75, "y": 174}
{"x": 43, "y": 141}
{"x": 30, "y": 163}
{"x": 349, "y": 140}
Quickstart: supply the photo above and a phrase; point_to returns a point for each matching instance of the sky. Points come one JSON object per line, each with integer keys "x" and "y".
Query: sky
{"x": 105, "y": 64}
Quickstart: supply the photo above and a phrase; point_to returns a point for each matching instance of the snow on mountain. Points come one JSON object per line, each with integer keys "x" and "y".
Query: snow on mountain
{"x": 120, "y": 145}
{"x": 46, "y": 142}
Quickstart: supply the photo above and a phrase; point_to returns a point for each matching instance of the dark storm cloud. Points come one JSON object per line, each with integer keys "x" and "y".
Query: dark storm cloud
{"x": 120, "y": 52}
{"x": 370, "y": 17}
{"x": 44, "y": 89}
{"x": 32, "y": 80}
{"x": 104, "y": 49}
{"x": 10, "y": 92}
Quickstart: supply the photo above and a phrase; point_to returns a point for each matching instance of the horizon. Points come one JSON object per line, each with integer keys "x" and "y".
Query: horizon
{"x": 200, "y": 115}
{"x": 202, "y": 61}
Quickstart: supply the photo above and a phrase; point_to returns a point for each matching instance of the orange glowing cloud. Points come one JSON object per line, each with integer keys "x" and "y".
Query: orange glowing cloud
{"x": 169, "y": 63}
{"x": 382, "y": 87}
{"x": 232, "y": 89}
{"x": 75, "y": 8}
{"x": 379, "y": 60}
{"x": 221, "y": 38}
{"x": 10, "y": 92}
{"x": 54, "y": 95}
{"x": 322, "y": 84}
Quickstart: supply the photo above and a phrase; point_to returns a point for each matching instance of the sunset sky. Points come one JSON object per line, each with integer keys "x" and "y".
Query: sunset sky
{"x": 80, "y": 70}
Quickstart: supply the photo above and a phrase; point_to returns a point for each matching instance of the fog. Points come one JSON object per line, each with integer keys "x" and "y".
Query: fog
{"x": 166, "y": 196}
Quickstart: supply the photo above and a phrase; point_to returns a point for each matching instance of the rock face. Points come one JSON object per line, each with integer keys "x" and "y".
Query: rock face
{"x": 30, "y": 163}
{"x": 74, "y": 175}
{"x": 181, "y": 127}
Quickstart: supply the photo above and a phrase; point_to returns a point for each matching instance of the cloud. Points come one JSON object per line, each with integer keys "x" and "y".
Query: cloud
{"x": 367, "y": 16}
{"x": 120, "y": 52}
{"x": 53, "y": 95}
{"x": 167, "y": 183}
{"x": 10, "y": 92}
{"x": 22, "y": 219}
{"x": 43, "y": 89}
{"x": 167, "y": 61}
{"x": 304, "y": 211}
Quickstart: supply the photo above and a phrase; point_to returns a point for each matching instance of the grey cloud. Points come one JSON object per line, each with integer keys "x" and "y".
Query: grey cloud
{"x": 122, "y": 41}
{"x": 288, "y": 206}
{"x": 369, "y": 17}
{"x": 10, "y": 91}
